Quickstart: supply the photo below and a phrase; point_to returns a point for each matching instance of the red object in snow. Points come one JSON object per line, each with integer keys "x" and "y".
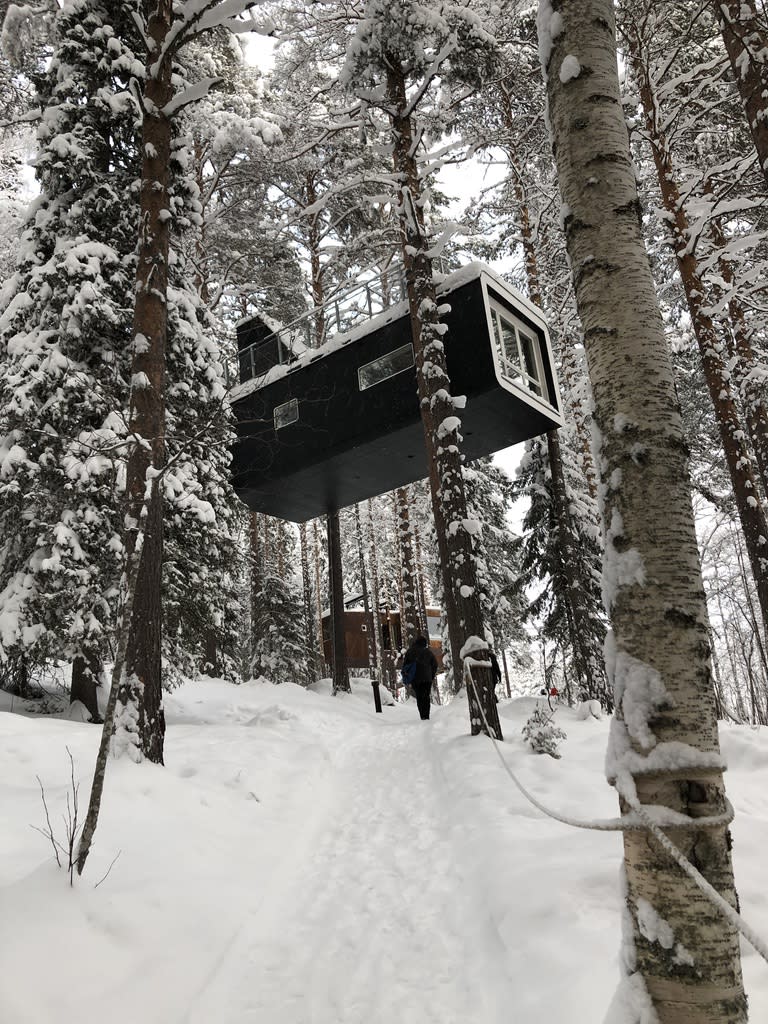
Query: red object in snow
{"x": 553, "y": 692}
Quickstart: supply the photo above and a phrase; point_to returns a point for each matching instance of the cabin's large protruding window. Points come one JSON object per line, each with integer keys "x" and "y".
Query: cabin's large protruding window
{"x": 519, "y": 351}
{"x": 286, "y": 413}
{"x": 385, "y": 366}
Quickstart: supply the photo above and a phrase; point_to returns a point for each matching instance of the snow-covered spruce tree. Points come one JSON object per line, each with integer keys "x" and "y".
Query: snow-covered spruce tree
{"x": 16, "y": 99}
{"x": 658, "y": 652}
{"x": 64, "y": 331}
{"x": 542, "y": 734}
{"x": 278, "y": 650}
{"x": 399, "y": 55}
{"x": 164, "y": 204}
{"x": 242, "y": 262}
{"x": 75, "y": 292}
{"x": 489, "y": 493}
{"x": 551, "y": 573}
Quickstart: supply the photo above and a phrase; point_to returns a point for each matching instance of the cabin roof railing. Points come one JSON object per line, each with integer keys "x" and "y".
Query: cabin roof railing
{"x": 340, "y": 314}
{"x": 345, "y": 317}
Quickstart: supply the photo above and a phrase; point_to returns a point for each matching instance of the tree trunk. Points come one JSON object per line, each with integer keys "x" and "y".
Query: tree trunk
{"x": 747, "y": 370}
{"x": 315, "y": 266}
{"x": 409, "y": 612}
{"x": 441, "y": 425}
{"x": 370, "y": 642}
{"x": 122, "y": 734}
{"x": 658, "y": 655}
{"x": 318, "y": 597}
{"x": 716, "y": 373}
{"x": 336, "y": 587}
{"x": 746, "y": 43}
{"x": 211, "y": 665}
{"x": 373, "y": 560}
{"x": 421, "y": 592}
{"x": 86, "y": 674}
{"x": 370, "y": 632}
{"x": 141, "y": 689}
{"x": 256, "y": 573}
{"x": 309, "y": 615}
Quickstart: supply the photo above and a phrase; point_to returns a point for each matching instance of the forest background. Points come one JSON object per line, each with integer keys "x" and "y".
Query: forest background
{"x": 274, "y": 193}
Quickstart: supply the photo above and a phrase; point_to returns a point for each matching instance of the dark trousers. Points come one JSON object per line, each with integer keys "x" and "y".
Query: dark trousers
{"x": 422, "y": 691}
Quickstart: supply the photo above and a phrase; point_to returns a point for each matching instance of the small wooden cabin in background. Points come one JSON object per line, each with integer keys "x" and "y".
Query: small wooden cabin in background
{"x": 356, "y": 636}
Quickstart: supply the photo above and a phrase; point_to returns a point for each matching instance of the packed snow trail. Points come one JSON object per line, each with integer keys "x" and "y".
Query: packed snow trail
{"x": 376, "y": 919}
{"x": 303, "y": 860}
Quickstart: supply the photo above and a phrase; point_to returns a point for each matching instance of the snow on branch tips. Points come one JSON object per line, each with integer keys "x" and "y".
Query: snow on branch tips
{"x": 199, "y": 16}
{"x": 194, "y": 93}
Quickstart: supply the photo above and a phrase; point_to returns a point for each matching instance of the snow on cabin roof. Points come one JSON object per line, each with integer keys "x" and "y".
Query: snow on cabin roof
{"x": 445, "y": 283}
{"x": 266, "y": 319}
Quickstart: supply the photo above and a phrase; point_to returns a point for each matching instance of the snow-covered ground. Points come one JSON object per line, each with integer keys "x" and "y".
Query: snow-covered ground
{"x": 302, "y": 860}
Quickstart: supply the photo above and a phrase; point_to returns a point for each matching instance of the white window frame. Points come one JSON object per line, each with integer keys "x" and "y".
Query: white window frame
{"x": 518, "y": 375}
{"x": 292, "y": 408}
{"x": 394, "y": 351}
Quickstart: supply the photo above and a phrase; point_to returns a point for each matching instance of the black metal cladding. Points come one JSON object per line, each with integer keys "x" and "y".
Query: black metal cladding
{"x": 349, "y": 444}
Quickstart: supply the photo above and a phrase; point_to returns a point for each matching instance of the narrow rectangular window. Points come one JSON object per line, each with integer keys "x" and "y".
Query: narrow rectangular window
{"x": 385, "y": 366}
{"x": 529, "y": 348}
{"x": 286, "y": 413}
{"x": 519, "y": 352}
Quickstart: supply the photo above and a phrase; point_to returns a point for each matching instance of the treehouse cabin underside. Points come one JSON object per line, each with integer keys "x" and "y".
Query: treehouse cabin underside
{"x": 342, "y": 424}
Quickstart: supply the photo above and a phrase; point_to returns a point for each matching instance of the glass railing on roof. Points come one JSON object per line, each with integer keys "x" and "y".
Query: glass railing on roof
{"x": 343, "y": 312}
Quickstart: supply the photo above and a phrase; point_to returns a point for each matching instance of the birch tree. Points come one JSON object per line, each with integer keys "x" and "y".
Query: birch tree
{"x": 658, "y": 650}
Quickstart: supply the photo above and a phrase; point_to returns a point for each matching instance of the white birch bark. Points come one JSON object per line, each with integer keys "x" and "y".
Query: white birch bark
{"x": 658, "y": 653}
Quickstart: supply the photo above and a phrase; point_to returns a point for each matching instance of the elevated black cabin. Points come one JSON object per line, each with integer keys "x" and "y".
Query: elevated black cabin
{"x": 324, "y": 428}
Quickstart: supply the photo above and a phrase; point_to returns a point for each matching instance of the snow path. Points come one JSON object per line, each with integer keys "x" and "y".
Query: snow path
{"x": 372, "y": 917}
{"x": 302, "y": 860}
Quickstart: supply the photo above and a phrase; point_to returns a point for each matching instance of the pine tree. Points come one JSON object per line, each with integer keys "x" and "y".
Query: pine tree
{"x": 278, "y": 651}
{"x": 398, "y": 49}
{"x": 545, "y": 573}
{"x": 64, "y": 335}
{"x": 641, "y": 30}
{"x": 542, "y": 735}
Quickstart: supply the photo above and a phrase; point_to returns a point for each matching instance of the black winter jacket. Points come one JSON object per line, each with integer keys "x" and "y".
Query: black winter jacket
{"x": 426, "y": 664}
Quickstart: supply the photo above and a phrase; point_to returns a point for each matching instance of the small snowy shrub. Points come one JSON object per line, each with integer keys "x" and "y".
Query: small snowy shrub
{"x": 542, "y": 735}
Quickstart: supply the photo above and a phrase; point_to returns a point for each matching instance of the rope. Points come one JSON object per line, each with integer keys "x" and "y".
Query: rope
{"x": 645, "y": 821}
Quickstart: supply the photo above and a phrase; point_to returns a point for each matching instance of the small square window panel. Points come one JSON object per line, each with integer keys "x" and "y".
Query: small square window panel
{"x": 286, "y": 413}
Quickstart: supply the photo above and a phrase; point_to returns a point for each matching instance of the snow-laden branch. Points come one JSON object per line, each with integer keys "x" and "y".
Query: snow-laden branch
{"x": 198, "y": 16}
{"x": 430, "y": 74}
{"x": 191, "y": 94}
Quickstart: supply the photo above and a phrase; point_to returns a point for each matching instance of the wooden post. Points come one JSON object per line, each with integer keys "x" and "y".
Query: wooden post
{"x": 506, "y": 673}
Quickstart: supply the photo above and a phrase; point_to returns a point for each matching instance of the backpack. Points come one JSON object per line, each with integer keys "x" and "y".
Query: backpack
{"x": 408, "y": 673}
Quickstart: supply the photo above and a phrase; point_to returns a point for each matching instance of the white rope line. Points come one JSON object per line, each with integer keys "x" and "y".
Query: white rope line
{"x": 624, "y": 824}
{"x": 682, "y": 861}
{"x": 645, "y": 821}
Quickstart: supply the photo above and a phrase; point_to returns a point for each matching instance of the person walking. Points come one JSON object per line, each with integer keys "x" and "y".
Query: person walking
{"x": 420, "y": 655}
